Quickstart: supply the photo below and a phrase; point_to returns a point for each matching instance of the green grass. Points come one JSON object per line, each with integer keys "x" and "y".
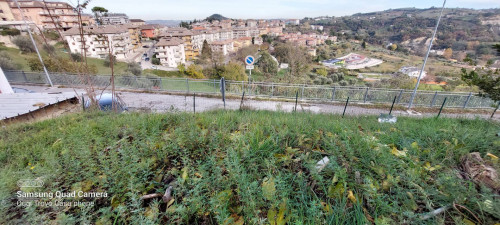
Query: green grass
{"x": 163, "y": 73}
{"x": 22, "y": 59}
{"x": 229, "y": 166}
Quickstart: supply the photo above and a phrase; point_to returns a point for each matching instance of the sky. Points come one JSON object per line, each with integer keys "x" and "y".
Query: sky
{"x": 267, "y": 9}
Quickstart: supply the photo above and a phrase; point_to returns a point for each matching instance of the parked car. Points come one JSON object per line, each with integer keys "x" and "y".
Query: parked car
{"x": 146, "y": 59}
{"x": 105, "y": 102}
{"x": 145, "y": 55}
{"x": 145, "y": 46}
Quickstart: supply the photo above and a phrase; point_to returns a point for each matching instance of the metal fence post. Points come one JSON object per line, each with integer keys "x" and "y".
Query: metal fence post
{"x": 442, "y": 106}
{"x": 272, "y": 89}
{"x": 194, "y": 102}
{"x": 187, "y": 85}
{"x": 333, "y": 94}
{"x": 392, "y": 106}
{"x": 215, "y": 89}
{"x": 302, "y": 92}
{"x": 366, "y": 95}
{"x": 400, "y": 95}
{"x": 296, "y": 100}
{"x": 345, "y": 107}
{"x": 468, "y": 99}
{"x": 434, "y": 99}
{"x": 494, "y": 111}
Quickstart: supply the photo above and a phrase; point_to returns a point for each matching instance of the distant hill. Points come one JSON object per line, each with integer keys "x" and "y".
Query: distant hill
{"x": 216, "y": 17}
{"x": 460, "y": 28}
{"x": 168, "y": 23}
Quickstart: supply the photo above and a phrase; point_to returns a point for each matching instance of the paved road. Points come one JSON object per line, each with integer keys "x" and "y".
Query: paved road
{"x": 165, "y": 102}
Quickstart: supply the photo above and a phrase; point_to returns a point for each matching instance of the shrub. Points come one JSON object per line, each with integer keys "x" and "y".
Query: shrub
{"x": 134, "y": 68}
{"x": 155, "y": 61}
{"x": 195, "y": 71}
{"x": 77, "y": 57}
{"x": 24, "y": 44}
{"x": 10, "y": 32}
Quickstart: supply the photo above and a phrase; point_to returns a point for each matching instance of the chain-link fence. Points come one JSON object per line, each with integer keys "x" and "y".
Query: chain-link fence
{"x": 260, "y": 89}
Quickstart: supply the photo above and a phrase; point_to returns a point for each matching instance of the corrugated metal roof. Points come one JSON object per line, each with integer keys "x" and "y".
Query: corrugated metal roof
{"x": 12, "y": 105}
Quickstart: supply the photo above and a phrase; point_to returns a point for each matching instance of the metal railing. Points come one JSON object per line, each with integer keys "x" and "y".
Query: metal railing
{"x": 261, "y": 89}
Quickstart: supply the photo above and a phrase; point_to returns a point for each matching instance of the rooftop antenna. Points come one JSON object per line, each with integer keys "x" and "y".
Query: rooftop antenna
{"x": 34, "y": 44}
{"x": 426, "y": 57}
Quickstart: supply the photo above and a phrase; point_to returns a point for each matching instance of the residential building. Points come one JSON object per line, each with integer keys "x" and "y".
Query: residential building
{"x": 251, "y": 23}
{"x": 254, "y": 32}
{"x": 225, "y": 46}
{"x": 137, "y": 22}
{"x": 241, "y": 32}
{"x": 187, "y": 37}
{"x": 150, "y": 30}
{"x": 88, "y": 20}
{"x": 99, "y": 40}
{"x": 135, "y": 35}
{"x": 45, "y": 15}
{"x": 293, "y": 22}
{"x": 171, "y": 52}
{"x": 5, "y": 12}
{"x": 242, "y": 42}
{"x": 258, "y": 41}
{"x": 225, "y": 34}
{"x": 114, "y": 19}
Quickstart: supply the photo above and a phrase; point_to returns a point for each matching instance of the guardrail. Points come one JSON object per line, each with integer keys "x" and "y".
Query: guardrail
{"x": 261, "y": 89}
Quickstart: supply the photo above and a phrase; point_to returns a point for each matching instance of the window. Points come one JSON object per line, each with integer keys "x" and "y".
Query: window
{"x": 1, "y": 11}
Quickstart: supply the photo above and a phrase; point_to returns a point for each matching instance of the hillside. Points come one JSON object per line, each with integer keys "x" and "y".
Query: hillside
{"x": 215, "y": 17}
{"x": 235, "y": 167}
{"x": 461, "y": 29}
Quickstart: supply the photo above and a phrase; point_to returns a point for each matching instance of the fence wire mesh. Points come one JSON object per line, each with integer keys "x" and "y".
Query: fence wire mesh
{"x": 261, "y": 89}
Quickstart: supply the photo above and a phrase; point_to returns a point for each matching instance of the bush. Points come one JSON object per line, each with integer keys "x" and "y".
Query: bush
{"x": 10, "y": 32}
{"x": 77, "y": 57}
{"x": 24, "y": 44}
{"x": 234, "y": 71}
{"x": 52, "y": 35}
{"x": 195, "y": 71}
{"x": 60, "y": 64}
{"x": 155, "y": 61}
{"x": 134, "y": 68}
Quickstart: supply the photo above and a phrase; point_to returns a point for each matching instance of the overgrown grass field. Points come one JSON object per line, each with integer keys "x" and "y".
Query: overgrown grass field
{"x": 247, "y": 167}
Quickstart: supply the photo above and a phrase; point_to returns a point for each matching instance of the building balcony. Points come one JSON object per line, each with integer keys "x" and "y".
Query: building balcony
{"x": 118, "y": 38}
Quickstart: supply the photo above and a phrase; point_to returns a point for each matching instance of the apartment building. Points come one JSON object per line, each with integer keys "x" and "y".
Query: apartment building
{"x": 137, "y": 22}
{"x": 225, "y": 46}
{"x": 46, "y": 14}
{"x": 240, "y": 32}
{"x": 115, "y": 19}
{"x": 5, "y": 12}
{"x": 225, "y": 34}
{"x": 134, "y": 34}
{"x": 150, "y": 30}
{"x": 88, "y": 20}
{"x": 187, "y": 37}
{"x": 97, "y": 41}
{"x": 171, "y": 52}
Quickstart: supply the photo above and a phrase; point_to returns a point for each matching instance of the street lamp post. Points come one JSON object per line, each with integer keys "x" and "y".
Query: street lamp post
{"x": 426, "y": 57}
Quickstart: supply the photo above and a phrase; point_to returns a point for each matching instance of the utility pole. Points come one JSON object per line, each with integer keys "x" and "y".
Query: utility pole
{"x": 426, "y": 57}
{"x": 34, "y": 44}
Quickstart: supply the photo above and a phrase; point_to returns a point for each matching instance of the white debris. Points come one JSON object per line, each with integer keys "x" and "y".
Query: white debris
{"x": 322, "y": 163}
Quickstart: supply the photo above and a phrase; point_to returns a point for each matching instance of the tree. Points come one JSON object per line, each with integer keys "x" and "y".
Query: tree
{"x": 497, "y": 47}
{"x": 206, "y": 51}
{"x": 267, "y": 64}
{"x": 182, "y": 68}
{"x": 24, "y": 44}
{"x": 99, "y": 12}
{"x": 155, "y": 61}
{"x": 448, "y": 53}
{"x": 363, "y": 45}
{"x": 299, "y": 62}
{"x": 234, "y": 71}
{"x": 134, "y": 68}
{"x": 195, "y": 71}
{"x": 487, "y": 81}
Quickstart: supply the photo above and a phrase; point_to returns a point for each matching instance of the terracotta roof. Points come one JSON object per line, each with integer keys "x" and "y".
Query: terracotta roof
{"x": 150, "y": 26}
{"x": 176, "y": 33}
{"x": 223, "y": 42}
{"x": 136, "y": 20}
{"x": 170, "y": 42}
